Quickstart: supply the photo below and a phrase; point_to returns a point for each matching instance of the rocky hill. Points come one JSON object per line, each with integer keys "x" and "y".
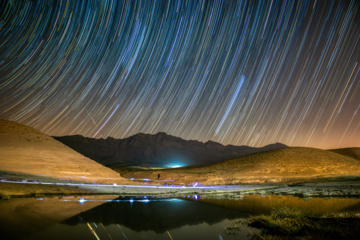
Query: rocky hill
{"x": 159, "y": 150}
{"x": 25, "y": 150}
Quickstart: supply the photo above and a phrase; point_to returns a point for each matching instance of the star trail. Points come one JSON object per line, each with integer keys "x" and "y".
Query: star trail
{"x": 235, "y": 72}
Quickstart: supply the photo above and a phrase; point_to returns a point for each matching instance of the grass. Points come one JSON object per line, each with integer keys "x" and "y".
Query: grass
{"x": 288, "y": 165}
{"x": 282, "y": 221}
{"x": 293, "y": 223}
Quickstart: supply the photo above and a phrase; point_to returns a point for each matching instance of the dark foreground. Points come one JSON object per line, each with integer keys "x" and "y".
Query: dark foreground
{"x": 294, "y": 223}
{"x": 187, "y": 217}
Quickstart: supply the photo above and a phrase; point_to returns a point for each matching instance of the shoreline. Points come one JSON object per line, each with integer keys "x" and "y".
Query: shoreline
{"x": 21, "y": 189}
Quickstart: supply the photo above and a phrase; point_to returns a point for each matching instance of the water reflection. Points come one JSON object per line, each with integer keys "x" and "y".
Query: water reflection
{"x": 113, "y": 217}
{"x": 24, "y": 216}
{"x": 159, "y": 215}
{"x": 255, "y": 204}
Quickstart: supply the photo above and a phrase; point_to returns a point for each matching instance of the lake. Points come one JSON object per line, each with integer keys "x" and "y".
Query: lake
{"x": 116, "y": 217}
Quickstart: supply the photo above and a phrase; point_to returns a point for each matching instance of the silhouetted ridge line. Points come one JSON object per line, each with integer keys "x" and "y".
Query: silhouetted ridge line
{"x": 157, "y": 150}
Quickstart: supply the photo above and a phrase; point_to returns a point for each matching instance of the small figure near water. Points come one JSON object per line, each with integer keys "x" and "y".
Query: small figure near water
{"x": 158, "y": 176}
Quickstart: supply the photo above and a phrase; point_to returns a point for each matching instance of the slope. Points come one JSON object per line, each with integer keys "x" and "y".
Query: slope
{"x": 285, "y": 165}
{"x": 350, "y": 152}
{"x": 28, "y": 151}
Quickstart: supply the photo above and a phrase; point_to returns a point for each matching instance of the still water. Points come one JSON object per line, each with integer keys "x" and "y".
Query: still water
{"x": 114, "y": 217}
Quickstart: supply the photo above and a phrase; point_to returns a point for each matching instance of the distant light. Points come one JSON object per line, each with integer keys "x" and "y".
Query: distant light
{"x": 176, "y": 166}
{"x": 176, "y": 163}
{"x": 196, "y": 197}
{"x": 82, "y": 200}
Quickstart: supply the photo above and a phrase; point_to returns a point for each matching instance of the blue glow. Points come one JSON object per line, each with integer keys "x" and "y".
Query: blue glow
{"x": 82, "y": 200}
{"x": 196, "y": 197}
{"x": 176, "y": 166}
{"x": 176, "y": 163}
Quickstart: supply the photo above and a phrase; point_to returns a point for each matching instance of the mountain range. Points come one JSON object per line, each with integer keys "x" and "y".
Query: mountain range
{"x": 157, "y": 151}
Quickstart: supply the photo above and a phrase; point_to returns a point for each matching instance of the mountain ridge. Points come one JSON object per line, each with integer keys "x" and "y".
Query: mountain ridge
{"x": 157, "y": 150}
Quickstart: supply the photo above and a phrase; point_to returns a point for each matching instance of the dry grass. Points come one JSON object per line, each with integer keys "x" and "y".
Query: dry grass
{"x": 28, "y": 151}
{"x": 350, "y": 152}
{"x": 285, "y": 165}
{"x": 292, "y": 223}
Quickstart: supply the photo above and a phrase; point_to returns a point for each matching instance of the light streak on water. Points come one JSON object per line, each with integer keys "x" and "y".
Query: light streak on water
{"x": 169, "y": 235}
{"x": 93, "y": 231}
{"x": 121, "y": 231}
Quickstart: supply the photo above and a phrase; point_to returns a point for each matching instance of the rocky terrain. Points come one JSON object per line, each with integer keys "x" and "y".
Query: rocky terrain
{"x": 25, "y": 150}
{"x": 159, "y": 150}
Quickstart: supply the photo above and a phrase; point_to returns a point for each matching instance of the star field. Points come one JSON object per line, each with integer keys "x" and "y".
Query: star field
{"x": 236, "y": 72}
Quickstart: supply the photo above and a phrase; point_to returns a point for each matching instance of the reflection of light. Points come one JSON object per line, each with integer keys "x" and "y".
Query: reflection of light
{"x": 93, "y": 231}
{"x": 196, "y": 197}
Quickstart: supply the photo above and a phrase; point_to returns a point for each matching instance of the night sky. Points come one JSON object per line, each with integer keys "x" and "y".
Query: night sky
{"x": 235, "y": 72}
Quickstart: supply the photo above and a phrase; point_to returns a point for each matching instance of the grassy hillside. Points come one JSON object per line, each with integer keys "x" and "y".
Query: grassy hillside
{"x": 284, "y": 165}
{"x": 350, "y": 152}
{"x": 26, "y": 150}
